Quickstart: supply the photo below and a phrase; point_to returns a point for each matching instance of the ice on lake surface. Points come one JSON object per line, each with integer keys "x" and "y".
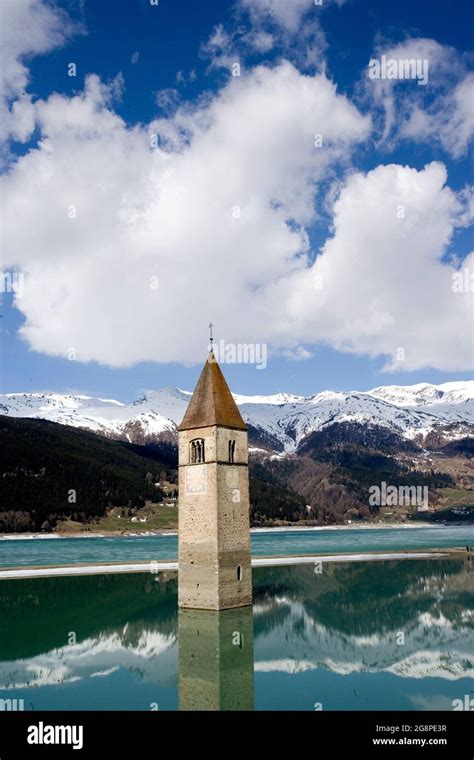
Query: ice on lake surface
{"x": 358, "y": 636}
{"x": 66, "y": 551}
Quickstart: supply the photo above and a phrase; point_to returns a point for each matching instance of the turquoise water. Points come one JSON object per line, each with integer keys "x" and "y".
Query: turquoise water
{"x": 58, "y": 551}
{"x": 360, "y": 636}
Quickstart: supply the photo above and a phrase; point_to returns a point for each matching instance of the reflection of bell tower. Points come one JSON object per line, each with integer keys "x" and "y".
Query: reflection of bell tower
{"x": 214, "y": 534}
{"x": 215, "y": 659}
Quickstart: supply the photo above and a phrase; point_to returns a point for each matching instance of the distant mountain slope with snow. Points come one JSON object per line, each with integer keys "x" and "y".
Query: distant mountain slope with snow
{"x": 424, "y": 394}
{"x": 412, "y": 412}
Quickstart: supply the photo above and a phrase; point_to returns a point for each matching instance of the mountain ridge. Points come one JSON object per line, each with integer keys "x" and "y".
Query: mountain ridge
{"x": 280, "y": 422}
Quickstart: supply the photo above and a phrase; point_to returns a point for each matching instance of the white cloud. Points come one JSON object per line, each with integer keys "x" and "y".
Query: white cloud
{"x": 260, "y": 41}
{"x": 261, "y": 26}
{"x": 169, "y": 214}
{"x": 381, "y": 283}
{"x": 287, "y": 15}
{"x": 220, "y": 48}
{"x": 449, "y": 121}
{"x": 440, "y": 112}
{"x": 27, "y": 28}
{"x": 220, "y": 214}
{"x": 168, "y": 99}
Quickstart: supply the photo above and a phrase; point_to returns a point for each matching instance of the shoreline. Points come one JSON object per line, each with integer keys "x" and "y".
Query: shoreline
{"x": 173, "y": 532}
{"x": 157, "y": 566}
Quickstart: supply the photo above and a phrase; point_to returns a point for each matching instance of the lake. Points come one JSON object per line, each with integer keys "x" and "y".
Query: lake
{"x": 390, "y": 635}
{"x": 62, "y": 551}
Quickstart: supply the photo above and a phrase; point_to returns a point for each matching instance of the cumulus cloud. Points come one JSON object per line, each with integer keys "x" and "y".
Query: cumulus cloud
{"x": 217, "y": 212}
{"x": 440, "y": 112}
{"x": 449, "y": 121}
{"x": 27, "y": 28}
{"x": 383, "y": 284}
{"x": 131, "y": 238}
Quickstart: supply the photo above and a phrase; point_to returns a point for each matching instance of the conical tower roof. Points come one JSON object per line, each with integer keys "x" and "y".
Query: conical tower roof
{"x": 212, "y": 402}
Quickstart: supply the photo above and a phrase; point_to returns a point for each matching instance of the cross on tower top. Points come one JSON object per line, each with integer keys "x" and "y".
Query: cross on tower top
{"x": 210, "y": 333}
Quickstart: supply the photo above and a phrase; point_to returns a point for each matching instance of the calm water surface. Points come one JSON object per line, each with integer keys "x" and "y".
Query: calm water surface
{"x": 333, "y": 639}
{"x": 57, "y": 551}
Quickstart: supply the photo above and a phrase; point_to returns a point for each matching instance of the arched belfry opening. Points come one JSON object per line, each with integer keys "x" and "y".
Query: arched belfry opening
{"x": 196, "y": 451}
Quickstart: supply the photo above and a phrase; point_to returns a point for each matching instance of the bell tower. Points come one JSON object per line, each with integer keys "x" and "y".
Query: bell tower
{"x": 214, "y": 532}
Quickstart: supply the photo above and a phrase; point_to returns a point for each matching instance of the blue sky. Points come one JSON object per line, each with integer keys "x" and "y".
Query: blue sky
{"x": 86, "y": 297}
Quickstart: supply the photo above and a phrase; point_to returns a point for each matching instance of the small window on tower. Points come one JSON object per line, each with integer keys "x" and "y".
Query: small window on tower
{"x": 196, "y": 451}
{"x": 231, "y": 451}
{"x": 239, "y": 572}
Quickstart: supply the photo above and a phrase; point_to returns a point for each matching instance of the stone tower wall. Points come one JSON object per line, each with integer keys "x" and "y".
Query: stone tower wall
{"x": 214, "y": 537}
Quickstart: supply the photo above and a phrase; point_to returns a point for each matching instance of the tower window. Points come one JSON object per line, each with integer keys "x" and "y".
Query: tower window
{"x": 239, "y": 572}
{"x": 231, "y": 451}
{"x": 196, "y": 451}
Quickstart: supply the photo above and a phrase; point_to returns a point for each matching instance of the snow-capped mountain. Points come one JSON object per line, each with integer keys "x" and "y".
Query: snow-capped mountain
{"x": 283, "y": 420}
{"x": 424, "y": 394}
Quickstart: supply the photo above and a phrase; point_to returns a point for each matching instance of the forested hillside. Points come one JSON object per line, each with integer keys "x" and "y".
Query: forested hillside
{"x": 49, "y": 471}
